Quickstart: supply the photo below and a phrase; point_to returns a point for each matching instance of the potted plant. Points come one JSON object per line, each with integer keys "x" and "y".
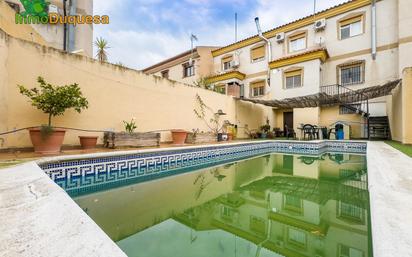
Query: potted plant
{"x": 53, "y": 101}
{"x": 88, "y": 142}
{"x": 179, "y": 136}
{"x": 264, "y": 130}
{"x": 213, "y": 123}
{"x": 130, "y": 138}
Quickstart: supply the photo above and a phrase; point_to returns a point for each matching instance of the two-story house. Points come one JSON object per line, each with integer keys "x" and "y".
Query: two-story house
{"x": 188, "y": 67}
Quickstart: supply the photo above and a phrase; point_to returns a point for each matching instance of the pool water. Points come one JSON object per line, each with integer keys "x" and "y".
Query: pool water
{"x": 272, "y": 205}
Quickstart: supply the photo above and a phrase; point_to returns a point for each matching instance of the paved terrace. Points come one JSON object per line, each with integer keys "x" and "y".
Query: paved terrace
{"x": 40, "y": 219}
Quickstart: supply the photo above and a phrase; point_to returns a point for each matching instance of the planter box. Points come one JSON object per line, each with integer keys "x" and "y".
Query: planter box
{"x": 123, "y": 139}
{"x": 199, "y": 138}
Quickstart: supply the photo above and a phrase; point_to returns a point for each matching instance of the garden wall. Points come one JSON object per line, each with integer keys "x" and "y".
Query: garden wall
{"x": 114, "y": 93}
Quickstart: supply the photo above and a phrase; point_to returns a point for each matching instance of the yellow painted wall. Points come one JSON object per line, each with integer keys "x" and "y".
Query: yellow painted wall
{"x": 407, "y": 105}
{"x": 115, "y": 94}
{"x": 329, "y": 115}
{"x": 399, "y": 106}
{"x": 305, "y": 116}
{"x": 394, "y": 110}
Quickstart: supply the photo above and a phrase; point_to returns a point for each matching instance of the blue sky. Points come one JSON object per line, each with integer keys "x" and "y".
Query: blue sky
{"x": 143, "y": 32}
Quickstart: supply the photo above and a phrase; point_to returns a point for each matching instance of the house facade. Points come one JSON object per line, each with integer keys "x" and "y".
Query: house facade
{"x": 188, "y": 67}
{"x": 79, "y": 38}
{"x": 356, "y": 45}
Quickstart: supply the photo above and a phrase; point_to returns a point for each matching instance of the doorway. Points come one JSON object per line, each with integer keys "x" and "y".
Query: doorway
{"x": 288, "y": 120}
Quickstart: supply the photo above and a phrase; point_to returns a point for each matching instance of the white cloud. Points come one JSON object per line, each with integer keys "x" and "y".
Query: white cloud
{"x": 160, "y": 33}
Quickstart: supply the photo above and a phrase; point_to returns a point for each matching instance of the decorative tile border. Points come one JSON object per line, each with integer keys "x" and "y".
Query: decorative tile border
{"x": 91, "y": 174}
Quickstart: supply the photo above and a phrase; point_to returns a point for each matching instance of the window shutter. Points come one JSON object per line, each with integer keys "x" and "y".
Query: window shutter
{"x": 301, "y": 35}
{"x": 293, "y": 78}
{"x": 257, "y": 88}
{"x": 227, "y": 58}
{"x": 257, "y": 52}
{"x": 350, "y": 20}
{"x": 257, "y": 84}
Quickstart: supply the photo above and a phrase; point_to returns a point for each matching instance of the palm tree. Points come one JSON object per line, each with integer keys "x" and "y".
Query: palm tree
{"x": 102, "y": 47}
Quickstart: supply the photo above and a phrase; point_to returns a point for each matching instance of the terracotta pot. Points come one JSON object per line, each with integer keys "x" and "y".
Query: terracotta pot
{"x": 179, "y": 136}
{"x": 88, "y": 142}
{"x": 47, "y": 144}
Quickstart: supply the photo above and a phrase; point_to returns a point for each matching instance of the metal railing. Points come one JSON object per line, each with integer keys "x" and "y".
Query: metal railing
{"x": 350, "y": 99}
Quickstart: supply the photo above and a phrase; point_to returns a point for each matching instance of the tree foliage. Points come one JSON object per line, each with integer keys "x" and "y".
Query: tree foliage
{"x": 55, "y": 100}
{"x": 202, "y": 111}
{"x": 102, "y": 45}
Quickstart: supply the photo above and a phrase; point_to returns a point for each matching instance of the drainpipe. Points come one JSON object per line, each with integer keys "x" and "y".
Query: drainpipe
{"x": 269, "y": 46}
{"x": 71, "y": 29}
{"x": 64, "y": 27}
{"x": 373, "y": 34}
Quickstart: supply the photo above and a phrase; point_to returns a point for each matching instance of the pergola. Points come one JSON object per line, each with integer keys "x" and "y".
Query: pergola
{"x": 329, "y": 97}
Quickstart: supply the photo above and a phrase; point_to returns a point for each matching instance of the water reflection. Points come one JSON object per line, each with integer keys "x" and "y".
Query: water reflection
{"x": 275, "y": 205}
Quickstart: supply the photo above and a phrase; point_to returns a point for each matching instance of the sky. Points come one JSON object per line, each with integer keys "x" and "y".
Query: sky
{"x": 144, "y": 32}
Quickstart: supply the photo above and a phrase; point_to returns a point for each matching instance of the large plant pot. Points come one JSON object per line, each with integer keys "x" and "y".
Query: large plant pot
{"x": 88, "y": 142}
{"x": 47, "y": 144}
{"x": 179, "y": 136}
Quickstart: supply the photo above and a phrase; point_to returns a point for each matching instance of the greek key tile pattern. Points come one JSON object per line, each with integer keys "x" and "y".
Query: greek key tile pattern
{"x": 90, "y": 175}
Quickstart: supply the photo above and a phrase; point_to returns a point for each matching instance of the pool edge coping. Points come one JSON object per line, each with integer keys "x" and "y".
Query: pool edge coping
{"x": 382, "y": 247}
{"x": 44, "y": 160}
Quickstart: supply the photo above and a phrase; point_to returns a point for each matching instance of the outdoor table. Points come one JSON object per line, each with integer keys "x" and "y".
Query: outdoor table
{"x": 317, "y": 131}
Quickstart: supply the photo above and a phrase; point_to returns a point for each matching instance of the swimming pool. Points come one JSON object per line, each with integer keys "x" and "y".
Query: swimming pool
{"x": 271, "y": 204}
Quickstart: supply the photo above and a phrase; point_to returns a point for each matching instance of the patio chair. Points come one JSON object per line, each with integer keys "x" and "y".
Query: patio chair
{"x": 278, "y": 132}
{"x": 289, "y": 132}
{"x": 308, "y": 130}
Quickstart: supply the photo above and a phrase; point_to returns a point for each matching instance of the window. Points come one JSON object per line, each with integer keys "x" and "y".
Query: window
{"x": 220, "y": 88}
{"x": 350, "y": 211}
{"x": 257, "y": 53}
{"x": 297, "y": 237}
{"x": 257, "y": 225}
{"x": 351, "y": 27}
{"x": 297, "y": 42}
{"x": 165, "y": 74}
{"x": 346, "y": 251}
{"x": 227, "y": 213}
{"x": 349, "y": 109}
{"x": 188, "y": 70}
{"x": 293, "y": 79}
{"x": 257, "y": 88}
{"x": 227, "y": 62}
{"x": 292, "y": 203}
{"x": 351, "y": 74}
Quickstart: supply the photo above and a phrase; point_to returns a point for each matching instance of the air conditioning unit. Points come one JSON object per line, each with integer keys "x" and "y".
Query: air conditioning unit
{"x": 234, "y": 63}
{"x": 320, "y": 24}
{"x": 280, "y": 37}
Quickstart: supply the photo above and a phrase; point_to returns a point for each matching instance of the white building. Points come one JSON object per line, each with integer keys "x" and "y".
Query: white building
{"x": 349, "y": 44}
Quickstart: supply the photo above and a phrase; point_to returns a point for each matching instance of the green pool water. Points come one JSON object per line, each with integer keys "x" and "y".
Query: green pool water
{"x": 272, "y": 205}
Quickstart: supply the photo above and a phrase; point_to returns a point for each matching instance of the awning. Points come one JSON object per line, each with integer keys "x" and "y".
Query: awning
{"x": 325, "y": 99}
